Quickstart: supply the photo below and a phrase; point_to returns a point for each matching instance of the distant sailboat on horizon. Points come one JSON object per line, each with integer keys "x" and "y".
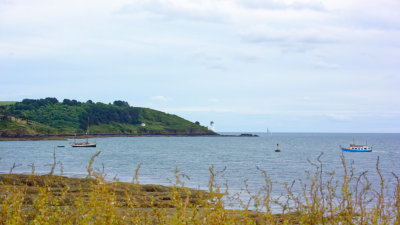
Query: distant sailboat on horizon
{"x": 268, "y": 132}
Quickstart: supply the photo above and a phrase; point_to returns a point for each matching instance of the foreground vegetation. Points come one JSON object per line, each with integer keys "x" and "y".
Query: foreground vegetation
{"x": 50, "y": 199}
{"x": 50, "y": 117}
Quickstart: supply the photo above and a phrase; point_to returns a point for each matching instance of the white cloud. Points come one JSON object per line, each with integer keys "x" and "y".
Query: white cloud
{"x": 199, "y": 109}
{"x": 214, "y": 100}
{"x": 267, "y": 34}
{"x": 282, "y": 5}
{"x": 325, "y": 65}
{"x": 339, "y": 116}
{"x": 161, "y": 98}
{"x": 205, "y": 11}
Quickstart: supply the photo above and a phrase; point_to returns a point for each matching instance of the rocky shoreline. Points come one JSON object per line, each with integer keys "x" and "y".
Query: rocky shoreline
{"x": 81, "y": 136}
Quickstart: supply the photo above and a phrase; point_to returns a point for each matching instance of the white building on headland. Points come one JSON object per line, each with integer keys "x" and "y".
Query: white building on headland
{"x": 211, "y": 126}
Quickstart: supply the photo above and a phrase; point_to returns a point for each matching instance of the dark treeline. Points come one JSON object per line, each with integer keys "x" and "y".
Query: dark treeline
{"x": 72, "y": 113}
{"x": 50, "y": 116}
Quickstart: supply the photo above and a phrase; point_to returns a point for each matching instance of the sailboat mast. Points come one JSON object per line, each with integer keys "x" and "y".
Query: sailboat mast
{"x": 87, "y": 131}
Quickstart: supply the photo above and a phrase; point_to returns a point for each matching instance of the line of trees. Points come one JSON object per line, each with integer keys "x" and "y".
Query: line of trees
{"x": 70, "y": 116}
{"x": 72, "y": 113}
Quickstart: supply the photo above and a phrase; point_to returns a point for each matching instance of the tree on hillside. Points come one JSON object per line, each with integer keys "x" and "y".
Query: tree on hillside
{"x": 31, "y": 104}
{"x": 50, "y": 101}
{"x": 67, "y": 102}
{"x": 121, "y": 103}
{"x": 4, "y": 113}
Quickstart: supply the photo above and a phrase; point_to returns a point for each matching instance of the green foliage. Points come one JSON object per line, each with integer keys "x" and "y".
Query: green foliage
{"x": 6, "y": 103}
{"x": 72, "y": 116}
{"x": 121, "y": 103}
{"x": 56, "y": 115}
{"x": 15, "y": 127}
{"x": 70, "y": 102}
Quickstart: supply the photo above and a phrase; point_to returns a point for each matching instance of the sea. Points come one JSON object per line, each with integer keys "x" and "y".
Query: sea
{"x": 237, "y": 161}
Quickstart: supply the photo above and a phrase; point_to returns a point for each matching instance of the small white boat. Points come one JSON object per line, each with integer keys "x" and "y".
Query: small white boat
{"x": 356, "y": 148}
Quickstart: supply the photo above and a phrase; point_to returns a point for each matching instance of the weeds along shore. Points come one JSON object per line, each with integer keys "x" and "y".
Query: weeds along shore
{"x": 324, "y": 199}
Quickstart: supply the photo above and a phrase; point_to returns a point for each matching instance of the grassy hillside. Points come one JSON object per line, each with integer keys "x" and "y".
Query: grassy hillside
{"x": 6, "y": 103}
{"x": 49, "y": 116}
{"x": 16, "y": 127}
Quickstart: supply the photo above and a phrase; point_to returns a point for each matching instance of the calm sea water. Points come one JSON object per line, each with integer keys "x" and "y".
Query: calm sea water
{"x": 194, "y": 156}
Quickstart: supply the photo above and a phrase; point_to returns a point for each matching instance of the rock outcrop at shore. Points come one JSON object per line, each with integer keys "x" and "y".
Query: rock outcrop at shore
{"x": 248, "y": 135}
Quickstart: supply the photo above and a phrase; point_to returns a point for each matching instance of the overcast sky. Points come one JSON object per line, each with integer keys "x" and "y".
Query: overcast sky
{"x": 247, "y": 65}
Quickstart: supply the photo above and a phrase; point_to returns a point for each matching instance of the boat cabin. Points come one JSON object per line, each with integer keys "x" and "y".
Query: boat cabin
{"x": 359, "y": 147}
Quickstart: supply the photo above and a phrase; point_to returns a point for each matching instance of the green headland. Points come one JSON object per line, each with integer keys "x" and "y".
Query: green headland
{"x": 50, "y": 117}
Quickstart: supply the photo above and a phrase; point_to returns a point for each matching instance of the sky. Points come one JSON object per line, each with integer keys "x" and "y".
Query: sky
{"x": 247, "y": 65}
